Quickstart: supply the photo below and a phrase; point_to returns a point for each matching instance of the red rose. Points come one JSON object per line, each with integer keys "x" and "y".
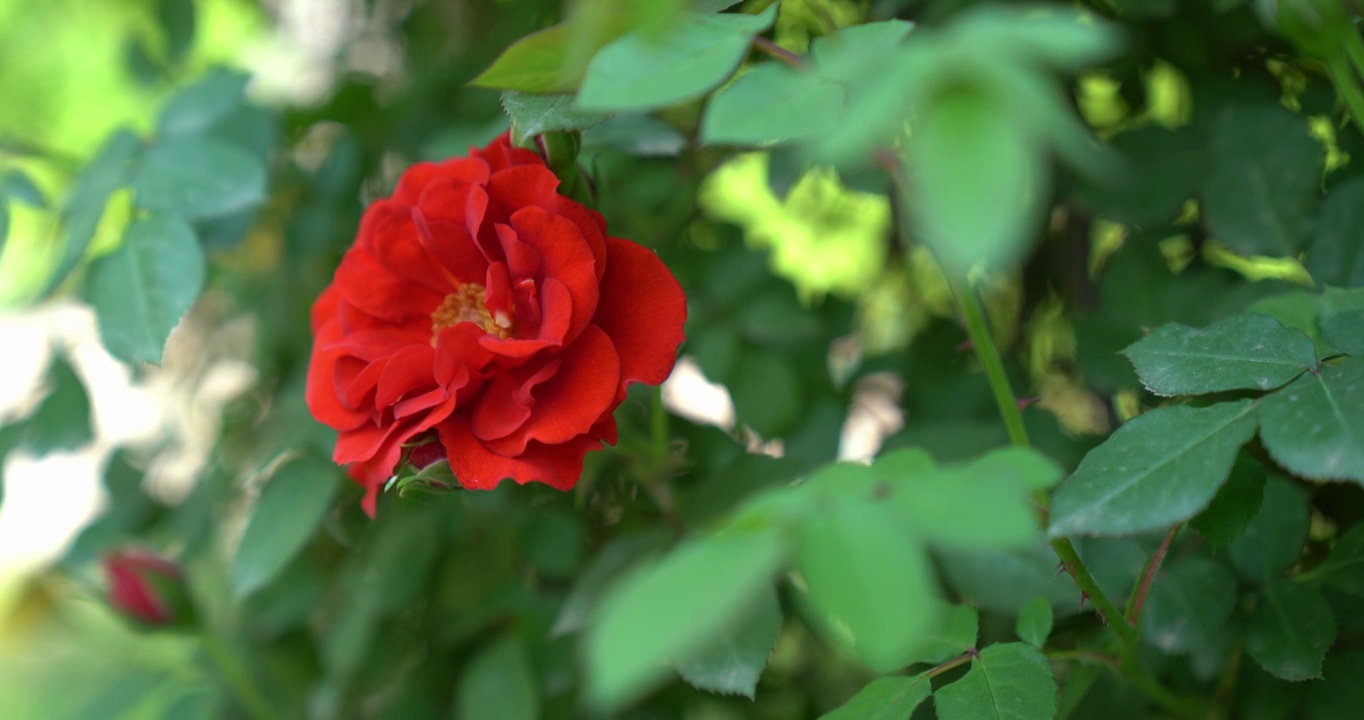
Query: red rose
{"x": 480, "y": 307}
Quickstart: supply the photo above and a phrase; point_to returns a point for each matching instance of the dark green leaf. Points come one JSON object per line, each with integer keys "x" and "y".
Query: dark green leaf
{"x": 199, "y": 177}
{"x": 1162, "y": 169}
{"x": 1274, "y": 540}
{"x": 177, "y": 19}
{"x": 670, "y": 610}
{"x": 109, "y": 170}
{"x": 16, "y": 185}
{"x": 534, "y": 114}
{"x": 976, "y": 181}
{"x": 1342, "y": 319}
{"x": 771, "y": 102}
{"x": 62, "y": 421}
{"x": 887, "y": 698}
{"x": 141, "y": 290}
{"x": 1235, "y": 505}
{"x": 1003, "y": 582}
{"x": 1336, "y": 256}
{"x": 1290, "y": 631}
{"x": 733, "y": 664}
{"x": 1260, "y": 193}
{"x": 1242, "y": 352}
{"x": 1187, "y": 604}
{"x": 1034, "y": 621}
{"x": 197, "y": 107}
{"x": 710, "y": 6}
{"x": 1314, "y": 427}
{"x": 290, "y": 508}
{"x": 1010, "y": 681}
{"x": 497, "y": 683}
{"x": 636, "y": 72}
{"x": 869, "y": 582}
{"x": 1343, "y": 569}
{"x": 1158, "y": 469}
{"x": 1339, "y": 695}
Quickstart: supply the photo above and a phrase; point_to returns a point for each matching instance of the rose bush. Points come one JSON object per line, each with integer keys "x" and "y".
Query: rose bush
{"x": 485, "y": 314}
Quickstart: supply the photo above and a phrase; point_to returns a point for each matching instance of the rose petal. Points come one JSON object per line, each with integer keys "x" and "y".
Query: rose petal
{"x": 450, "y": 245}
{"x": 643, "y": 309}
{"x": 571, "y": 402}
{"x": 417, "y": 177}
{"x": 565, "y": 256}
{"x": 478, "y": 468}
{"x": 524, "y": 186}
{"x": 320, "y": 394}
{"x": 387, "y": 230}
{"x": 507, "y": 402}
{"x": 592, "y": 225}
{"x": 409, "y": 369}
{"x": 369, "y": 286}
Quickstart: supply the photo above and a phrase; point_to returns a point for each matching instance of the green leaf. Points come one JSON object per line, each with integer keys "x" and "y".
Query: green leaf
{"x": 177, "y": 18}
{"x": 869, "y": 582}
{"x": 951, "y": 636}
{"x": 1235, "y": 505}
{"x": 199, "y": 106}
{"x": 498, "y": 683}
{"x": 771, "y": 103}
{"x": 1188, "y": 602}
{"x": 1034, "y": 621}
{"x": 16, "y": 185}
{"x": 199, "y": 177}
{"x": 1343, "y": 569}
{"x": 1162, "y": 169}
{"x": 1158, "y": 469}
{"x": 109, "y": 170}
{"x": 984, "y": 505}
{"x": 141, "y": 290}
{"x": 844, "y": 55}
{"x": 4, "y": 223}
{"x": 1002, "y": 582}
{"x": 1242, "y": 352}
{"x": 1342, "y": 319}
{"x": 733, "y": 665}
{"x": 62, "y": 421}
{"x": 670, "y": 610}
{"x": 1291, "y": 630}
{"x": 1274, "y": 540}
{"x": 1260, "y": 192}
{"x": 636, "y": 72}
{"x": 290, "y": 508}
{"x": 1340, "y": 694}
{"x": 1063, "y": 38}
{"x": 1336, "y": 256}
{"x": 975, "y": 180}
{"x": 604, "y": 569}
{"x": 534, "y": 114}
{"x": 1011, "y": 681}
{"x": 886, "y": 698}
{"x": 540, "y": 62}
{"x": 1314, "y": 427}
{"x": 712, "y": 6}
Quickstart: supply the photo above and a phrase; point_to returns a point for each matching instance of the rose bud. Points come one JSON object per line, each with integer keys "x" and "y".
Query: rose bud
{"x": 147, "y": 588}
{"x": 482, "y": 309}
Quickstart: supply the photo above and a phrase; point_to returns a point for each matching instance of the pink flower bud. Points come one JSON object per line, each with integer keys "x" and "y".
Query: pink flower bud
{"x": 146, "y": 588}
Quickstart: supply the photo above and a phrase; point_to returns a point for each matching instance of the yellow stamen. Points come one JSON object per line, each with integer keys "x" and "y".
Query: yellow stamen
{"x": 468, "y": 304}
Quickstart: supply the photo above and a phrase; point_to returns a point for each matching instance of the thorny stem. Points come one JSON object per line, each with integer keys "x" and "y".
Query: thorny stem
{"x": 780, "y": 53}
{"x": 1137, "y": 601}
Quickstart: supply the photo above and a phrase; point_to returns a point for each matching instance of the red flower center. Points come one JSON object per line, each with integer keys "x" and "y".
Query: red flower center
{"x": 469, "y": 304}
